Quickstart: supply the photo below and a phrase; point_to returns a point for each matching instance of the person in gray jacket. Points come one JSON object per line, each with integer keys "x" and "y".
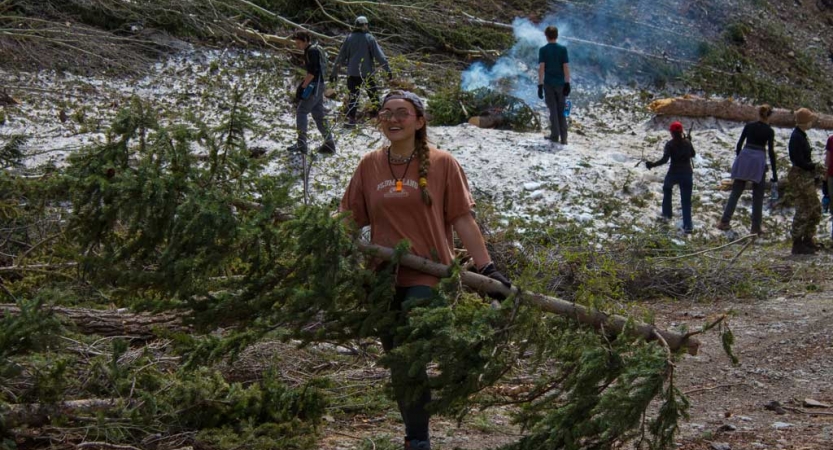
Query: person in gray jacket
{"x": 360, "y": 53}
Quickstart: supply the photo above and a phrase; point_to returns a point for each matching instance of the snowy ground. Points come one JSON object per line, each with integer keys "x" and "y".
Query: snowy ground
{"x": 594, "y": 180}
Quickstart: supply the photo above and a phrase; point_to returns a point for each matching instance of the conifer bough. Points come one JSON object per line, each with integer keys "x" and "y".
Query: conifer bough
{"x": 598, "y": 319}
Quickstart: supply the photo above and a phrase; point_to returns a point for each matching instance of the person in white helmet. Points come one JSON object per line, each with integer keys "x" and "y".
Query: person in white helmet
{"x": 361, "y": 53}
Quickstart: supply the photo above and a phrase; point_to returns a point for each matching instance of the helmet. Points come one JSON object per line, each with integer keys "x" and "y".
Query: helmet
{"x": 361, "y": 20}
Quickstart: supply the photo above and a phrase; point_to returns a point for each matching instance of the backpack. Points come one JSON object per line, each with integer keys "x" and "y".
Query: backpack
{"x": 322, "y": 59}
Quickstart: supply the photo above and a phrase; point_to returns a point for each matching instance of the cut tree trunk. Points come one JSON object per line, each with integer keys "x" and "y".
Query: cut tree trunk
{"x": 487, "y": 121}
{"x": 691, "y": 106}
{"x": 598, "y": 319}
{"x": 111, "y": 322}
{"x": 39, "y": 414}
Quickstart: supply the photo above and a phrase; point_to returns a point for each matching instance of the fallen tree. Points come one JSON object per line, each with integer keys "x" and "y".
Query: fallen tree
{"x": 111, "y": 322}
{"x": 728, "y": 109}
{"x": 39, "y": 414}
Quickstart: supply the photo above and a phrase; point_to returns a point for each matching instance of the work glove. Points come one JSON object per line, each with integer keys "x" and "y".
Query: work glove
{"x": 649, "y": 165}
{"x": 541, "y": 91}
{"x": 489, "y": 270}
{"x": 566, "y": 89}
{"x": 299, "y": 92}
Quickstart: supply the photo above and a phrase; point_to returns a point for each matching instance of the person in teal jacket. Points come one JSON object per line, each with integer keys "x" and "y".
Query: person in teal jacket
{"x": 554, "y": 83}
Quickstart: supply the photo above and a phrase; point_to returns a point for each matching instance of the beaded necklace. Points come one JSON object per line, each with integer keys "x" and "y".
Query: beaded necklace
{"x": 398, "y": 180}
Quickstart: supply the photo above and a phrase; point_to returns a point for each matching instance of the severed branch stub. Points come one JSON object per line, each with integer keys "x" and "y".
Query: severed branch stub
{"x": 582, "y": 314}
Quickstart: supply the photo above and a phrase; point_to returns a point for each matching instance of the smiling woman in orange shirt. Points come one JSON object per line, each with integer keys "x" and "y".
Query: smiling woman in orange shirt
{"x": 415, "y": 191}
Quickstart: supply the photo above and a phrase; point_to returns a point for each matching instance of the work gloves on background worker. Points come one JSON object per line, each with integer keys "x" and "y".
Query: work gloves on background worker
{"x": 566, "y": 89}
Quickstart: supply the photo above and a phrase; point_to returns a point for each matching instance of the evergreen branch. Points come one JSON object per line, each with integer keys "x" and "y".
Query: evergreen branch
{"x": 706, "y": 327}
{"x": 580, "y": 313}
{"x": 12, "y": 151}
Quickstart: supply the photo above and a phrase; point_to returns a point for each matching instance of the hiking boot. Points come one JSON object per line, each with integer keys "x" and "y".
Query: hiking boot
{"x": 799, "y": 248}
{"x": 414, "y": 444}
{"x": 723, "y": 226}
{"x": 810, "y": 243}
{"x": 298, "y": 147}
{"x": 759, "y": 231}
{"x": 327, "y": 148}
{"x": 257, "y": 152}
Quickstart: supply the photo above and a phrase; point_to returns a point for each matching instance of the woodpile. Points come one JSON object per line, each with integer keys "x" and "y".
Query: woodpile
{"x": 728, "y": 109}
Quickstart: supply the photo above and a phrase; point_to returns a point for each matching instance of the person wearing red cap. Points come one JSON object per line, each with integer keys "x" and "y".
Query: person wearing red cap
{"x": 680, "y": 152}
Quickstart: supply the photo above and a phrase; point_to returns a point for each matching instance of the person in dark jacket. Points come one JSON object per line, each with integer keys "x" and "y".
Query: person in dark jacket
{"x": 360, "y": 52}
{"x": 802, "y": 185}
{"x": 680, "y": 151}
{"x": 750, "y": 165}
{"x": 310, "y": 97}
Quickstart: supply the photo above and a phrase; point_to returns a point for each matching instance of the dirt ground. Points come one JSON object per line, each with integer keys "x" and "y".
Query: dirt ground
{"x": 785, "y": 347}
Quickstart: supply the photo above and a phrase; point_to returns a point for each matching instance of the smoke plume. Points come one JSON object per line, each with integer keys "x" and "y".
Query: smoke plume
{"x": 610, "y": 42}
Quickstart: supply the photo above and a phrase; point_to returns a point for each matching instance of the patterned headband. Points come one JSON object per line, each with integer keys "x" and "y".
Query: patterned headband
{"x": 405, "y": 95}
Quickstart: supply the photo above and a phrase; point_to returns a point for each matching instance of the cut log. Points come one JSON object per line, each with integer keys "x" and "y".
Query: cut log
{"x": 728, "y": 109}
{"x": 487, "y": 121}
{"x": 597, "y": 319}
{"x": 111, "y": 322}
{"x": 39, "y": 414}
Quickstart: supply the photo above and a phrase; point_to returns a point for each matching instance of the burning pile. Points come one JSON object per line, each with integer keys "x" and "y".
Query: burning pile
{"x": 485, "y": 108}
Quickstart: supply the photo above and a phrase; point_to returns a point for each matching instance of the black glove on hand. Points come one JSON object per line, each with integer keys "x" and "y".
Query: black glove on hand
{"x": 299, "y": 92}
{"x": 541, "y": 91}
{"x": 566, "y": 89}
{"x": 649, "y": 165}
{"x": 489, "y": 270}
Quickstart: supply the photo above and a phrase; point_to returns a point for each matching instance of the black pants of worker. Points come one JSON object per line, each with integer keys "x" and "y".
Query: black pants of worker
{"x": 554, "y": 97}
{"x": 757, "y": 202}
{"x": 412, "y": 392}
{"x": 354, "y": 86}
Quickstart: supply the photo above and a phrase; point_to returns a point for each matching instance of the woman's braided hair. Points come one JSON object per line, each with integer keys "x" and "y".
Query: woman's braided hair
{"x": 421, "y": 138}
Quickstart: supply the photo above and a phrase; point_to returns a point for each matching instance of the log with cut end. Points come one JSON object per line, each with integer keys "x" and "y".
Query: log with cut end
{"x": 39, "y": 414}
{"x": 487, "y": 121}
{"x": 111, "y": 322}
{"x": 597, "y": 319}
{"x": 728, "y": 109}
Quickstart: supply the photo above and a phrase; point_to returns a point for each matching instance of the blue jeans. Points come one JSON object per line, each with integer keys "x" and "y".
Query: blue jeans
{"x": 685, "y": 180}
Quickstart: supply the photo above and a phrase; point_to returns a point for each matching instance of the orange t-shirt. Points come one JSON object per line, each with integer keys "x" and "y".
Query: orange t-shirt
{"x": 394, "y": 216}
